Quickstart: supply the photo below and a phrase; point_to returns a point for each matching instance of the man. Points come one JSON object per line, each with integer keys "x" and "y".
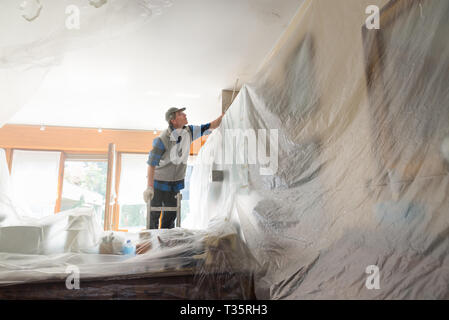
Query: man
{"x": 167, "y": 164}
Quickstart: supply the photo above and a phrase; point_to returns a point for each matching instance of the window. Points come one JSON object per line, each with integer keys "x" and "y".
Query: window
{"x": 185, "y": 207}
{"x": 133, "y": 181}
{"x": 84, "y": 183}
{"x": 34, "y": 179}
{"x": 34, "y": 182}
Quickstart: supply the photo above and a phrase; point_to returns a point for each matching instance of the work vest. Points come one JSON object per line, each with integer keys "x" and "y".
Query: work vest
{"x": 173, "y": 163}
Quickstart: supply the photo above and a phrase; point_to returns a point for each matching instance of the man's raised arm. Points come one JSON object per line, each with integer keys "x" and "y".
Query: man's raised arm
{"x": 214, "y": 124}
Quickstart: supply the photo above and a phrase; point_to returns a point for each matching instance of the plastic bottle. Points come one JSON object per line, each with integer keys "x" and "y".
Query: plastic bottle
{"x": 129, "y": 249}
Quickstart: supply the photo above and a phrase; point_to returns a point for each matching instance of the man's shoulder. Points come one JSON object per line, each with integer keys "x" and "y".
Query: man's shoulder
{"x": 164, "y": 136}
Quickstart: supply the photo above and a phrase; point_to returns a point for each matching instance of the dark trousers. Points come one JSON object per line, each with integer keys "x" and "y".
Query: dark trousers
{"x": 163, "y": 199}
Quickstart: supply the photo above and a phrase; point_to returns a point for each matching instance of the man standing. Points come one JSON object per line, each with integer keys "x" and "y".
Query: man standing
{"x": 167, "y": 164}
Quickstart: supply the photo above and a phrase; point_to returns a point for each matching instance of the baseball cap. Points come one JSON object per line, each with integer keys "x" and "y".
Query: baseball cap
{"x": 170, "y": 111}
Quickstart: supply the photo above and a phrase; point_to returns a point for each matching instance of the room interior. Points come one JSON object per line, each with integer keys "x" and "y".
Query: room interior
{"x": 357, "y": 118}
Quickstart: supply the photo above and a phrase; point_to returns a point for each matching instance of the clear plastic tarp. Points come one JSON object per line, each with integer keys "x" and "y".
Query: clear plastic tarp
{"x": 358, "y": 206}
{"x": 36, "y": 35}
{"x": 330, "y": 168}
{"x": 204, "y": 264}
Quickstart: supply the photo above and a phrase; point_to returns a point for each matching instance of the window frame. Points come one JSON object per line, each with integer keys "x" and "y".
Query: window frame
{"x": 70, "y": 141}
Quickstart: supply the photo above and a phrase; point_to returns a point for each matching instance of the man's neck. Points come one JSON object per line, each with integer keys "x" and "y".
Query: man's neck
{"x": 177, "y": 127}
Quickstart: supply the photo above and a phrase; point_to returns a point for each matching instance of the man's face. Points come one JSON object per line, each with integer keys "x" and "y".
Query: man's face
{"x": 180, "y": 119}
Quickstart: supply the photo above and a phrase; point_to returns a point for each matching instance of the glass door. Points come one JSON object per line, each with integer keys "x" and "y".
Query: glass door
{"x": 84, "y": 183}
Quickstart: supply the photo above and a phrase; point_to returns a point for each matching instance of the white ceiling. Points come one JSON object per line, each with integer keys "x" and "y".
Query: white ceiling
{"x": 184, "y": 56}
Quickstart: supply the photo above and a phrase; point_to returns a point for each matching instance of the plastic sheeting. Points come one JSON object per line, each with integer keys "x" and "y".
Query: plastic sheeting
{"x": 42, "y": 253}
{"x": 44, "y": 249}
{"x": 36, "y": 35}
{"x": 348, "y": 198}
{"x": 358, "y": 206}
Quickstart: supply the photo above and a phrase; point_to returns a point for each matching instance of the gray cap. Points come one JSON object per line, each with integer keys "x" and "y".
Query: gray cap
{"x": 170, "y": 111}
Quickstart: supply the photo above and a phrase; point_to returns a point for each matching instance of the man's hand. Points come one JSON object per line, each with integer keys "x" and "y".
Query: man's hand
{"x": 148, "y": 194}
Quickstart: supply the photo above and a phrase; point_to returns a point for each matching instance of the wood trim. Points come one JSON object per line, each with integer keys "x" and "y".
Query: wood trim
{"x": 81, "y": 140}
{"x": 77, "y": 140}
{"x": 110, "y": 182}
{"x": 9, "y": 154}
{"x": 70, "y": 140}
{"x": 118, "y": 171}
{"x": 227, "y": 98}
{"x": 60, "y": 182}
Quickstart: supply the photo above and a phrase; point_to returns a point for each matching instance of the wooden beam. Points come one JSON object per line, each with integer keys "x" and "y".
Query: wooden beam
{"x": 60, "y": 182}
{"x": 110, "y": 182}
{"x": 227, "y": 97}
{"x": 75, "y": 139}
{"x": 116, "y": 215}
{"x": 81, "y": 140}
{"x": 9, "y": 154}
